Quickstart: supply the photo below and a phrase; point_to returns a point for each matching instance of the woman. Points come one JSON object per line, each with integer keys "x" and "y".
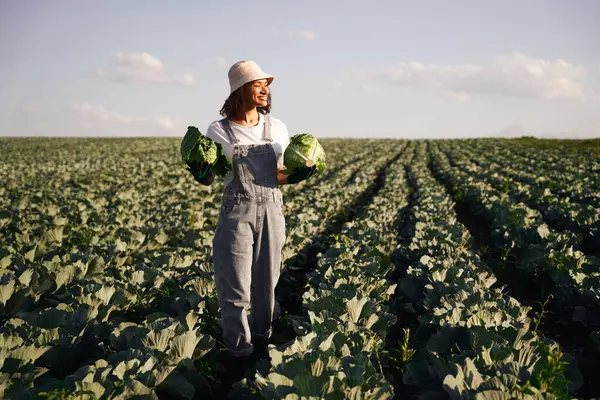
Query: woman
{"x": 251, "y": 229}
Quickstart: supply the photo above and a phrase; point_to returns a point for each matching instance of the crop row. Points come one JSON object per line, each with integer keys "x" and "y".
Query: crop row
{"x": 573, "y": 176}
{"x": 521, "y": 236}
{"x": 552, "y": 160}
{"x": 559, "y": 210}
{"x": 473, "y": 341}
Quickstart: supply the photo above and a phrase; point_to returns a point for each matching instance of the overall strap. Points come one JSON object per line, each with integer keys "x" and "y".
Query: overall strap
{"x": 267, "y": 129}
{"x": 227, "y": 128}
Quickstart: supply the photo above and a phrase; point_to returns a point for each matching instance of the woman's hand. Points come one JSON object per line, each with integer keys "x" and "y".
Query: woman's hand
{"x": 201, "y": 172}
{"x": 207, "y": 179}
{"x": 299, "y": 175}
{"x": 281, "y": 177}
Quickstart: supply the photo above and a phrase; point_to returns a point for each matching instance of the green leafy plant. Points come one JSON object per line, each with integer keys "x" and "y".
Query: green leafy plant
{"x": 539, "y": 316}
{"x": 403, "y": 354}
{"x": 550, "y": 372}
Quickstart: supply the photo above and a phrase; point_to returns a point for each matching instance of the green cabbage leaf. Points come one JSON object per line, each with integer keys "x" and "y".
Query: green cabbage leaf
{"x": 196, "y": 147}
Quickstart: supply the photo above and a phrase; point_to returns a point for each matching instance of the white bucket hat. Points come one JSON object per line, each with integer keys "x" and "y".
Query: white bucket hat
{"x": 243, "y": 72}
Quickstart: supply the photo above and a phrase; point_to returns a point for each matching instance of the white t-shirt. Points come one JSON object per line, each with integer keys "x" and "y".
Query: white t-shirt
{"x": 248, "y": 135}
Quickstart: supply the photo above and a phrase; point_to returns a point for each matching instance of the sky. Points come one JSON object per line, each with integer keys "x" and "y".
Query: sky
{"x": 399, "y": 69}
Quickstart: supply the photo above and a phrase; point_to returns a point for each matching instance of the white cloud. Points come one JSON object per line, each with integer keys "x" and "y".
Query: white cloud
{"x": 514, "y": 75}
{"x": 102, "y": 113}
{"x": 27, "y": 108}
{"x": 220, "y": 61}
{"x": 97, "y": 114}
{"x": 144, "y": 68}
{"x": 166, "y": 122}
{"x": 304, "y": 34}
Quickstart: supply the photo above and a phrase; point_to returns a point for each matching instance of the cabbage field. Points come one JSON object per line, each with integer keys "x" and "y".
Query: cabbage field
{"x": 432, "y": 269}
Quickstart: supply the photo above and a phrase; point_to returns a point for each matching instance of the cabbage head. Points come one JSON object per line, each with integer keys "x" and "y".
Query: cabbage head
{"x": 195, "y": 147}
{"x": 303, "y": 150}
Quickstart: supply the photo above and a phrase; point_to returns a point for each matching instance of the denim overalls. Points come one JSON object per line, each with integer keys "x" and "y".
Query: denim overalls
{"x": 248, "y": 242}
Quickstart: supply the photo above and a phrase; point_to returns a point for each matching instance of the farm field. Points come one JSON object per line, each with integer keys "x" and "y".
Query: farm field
{"x": 463, "y": 269}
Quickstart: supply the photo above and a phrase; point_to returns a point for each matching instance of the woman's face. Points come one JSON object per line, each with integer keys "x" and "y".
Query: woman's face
{"x": 257, "y": 94}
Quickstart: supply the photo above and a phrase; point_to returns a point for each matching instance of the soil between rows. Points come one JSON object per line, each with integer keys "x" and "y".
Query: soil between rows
{"x": 405, "y": 225}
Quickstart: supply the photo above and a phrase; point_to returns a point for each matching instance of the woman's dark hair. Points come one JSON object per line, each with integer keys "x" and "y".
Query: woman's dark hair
{"x": 234, "y": 104}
